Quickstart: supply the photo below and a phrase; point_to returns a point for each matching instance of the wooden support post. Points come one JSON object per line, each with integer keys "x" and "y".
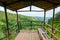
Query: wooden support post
{"x": 44, "y": 17}
{"x": 7, "y": 28}
{"x": 53, "y": 19}
{"x": 30, "y": 5}
{"x": 17, "y": 21}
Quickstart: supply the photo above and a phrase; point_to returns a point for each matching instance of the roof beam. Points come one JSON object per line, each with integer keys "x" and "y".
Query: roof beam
{"x": 31, "y": 11}
{"x": 12, "y": 3}
{"x": 51, "y": 2}
{"x": 3, "y": 3}
{"x": 32, "y": 0}
{"x": 28, "y": 2}
{"x": 17, "y": 2}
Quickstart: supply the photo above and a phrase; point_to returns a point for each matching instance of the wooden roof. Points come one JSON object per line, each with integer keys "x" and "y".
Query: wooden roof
{"x": 18, "y": 4}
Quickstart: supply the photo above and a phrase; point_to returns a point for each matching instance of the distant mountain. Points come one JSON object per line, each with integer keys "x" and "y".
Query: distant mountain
{"x": 42, "y": 18}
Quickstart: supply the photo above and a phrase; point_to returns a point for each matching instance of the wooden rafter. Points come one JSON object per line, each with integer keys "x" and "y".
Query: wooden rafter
{"x": 11, "y": 4}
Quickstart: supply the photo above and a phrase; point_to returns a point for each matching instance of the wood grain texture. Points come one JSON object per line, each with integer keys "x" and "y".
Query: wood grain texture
{"x": 27, "y": 35}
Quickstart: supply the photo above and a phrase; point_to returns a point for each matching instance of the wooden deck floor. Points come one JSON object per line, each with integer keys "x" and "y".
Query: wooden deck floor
{"x": 27, "y": 35}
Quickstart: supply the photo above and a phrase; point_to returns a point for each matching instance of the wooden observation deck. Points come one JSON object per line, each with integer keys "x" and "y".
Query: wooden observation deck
{"x": 15, "y": 5}
{"x": 27, "y": 35}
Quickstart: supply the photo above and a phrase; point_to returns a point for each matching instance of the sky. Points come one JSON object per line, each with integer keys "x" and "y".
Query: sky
{"x": 34, "y": 14}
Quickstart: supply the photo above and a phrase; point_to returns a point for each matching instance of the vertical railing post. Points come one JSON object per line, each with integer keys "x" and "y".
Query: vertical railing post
{"x": 42, "y": 24}
{"x": 7, "y": 28}
{"x": 20, "y": 25}
{"x": 31, "y": 5}
{"x": 53, "y": 19}
{"x": 52, "y": 30}
{"x": 44, "y": 16}
{"x": 17, "y": 20}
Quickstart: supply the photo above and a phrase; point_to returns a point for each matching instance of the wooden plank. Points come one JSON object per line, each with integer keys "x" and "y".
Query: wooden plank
{"x": 27, "y": 35}
{"x": 43, "y": 34}
{"x": 53, "y": 35}
{"x": 7, "y": 25}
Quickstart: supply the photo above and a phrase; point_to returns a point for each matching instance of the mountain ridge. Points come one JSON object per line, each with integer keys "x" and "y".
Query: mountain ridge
{"x": 42, "y": 18}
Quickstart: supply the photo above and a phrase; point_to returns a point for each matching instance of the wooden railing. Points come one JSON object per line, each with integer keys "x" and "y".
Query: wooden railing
{"x": 43, "y": 34}
{"x": 52, "y": 33}
{"x": 17, "y": 27}
{"x": 29, "y": 24}
{"x": 10, "y": 27}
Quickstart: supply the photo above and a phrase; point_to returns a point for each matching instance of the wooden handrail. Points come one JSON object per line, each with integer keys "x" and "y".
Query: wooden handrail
{"x": 9, "y": 28}
{"x": 3, "y": 38}
{"x": 43, "y": 35}
{"x": 54, "y": 36}
{"x": 13, "y": 31}
{"x": 37, "y": 25}
{"x": 53, "y": 28}
{"x": 31, "y": 11}
{"x": 13, "y": 25}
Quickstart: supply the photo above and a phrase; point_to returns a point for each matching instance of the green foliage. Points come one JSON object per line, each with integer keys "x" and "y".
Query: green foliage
{"x": 57, "y": 18}
{"x": 56, "y": 22}
{"x": 11, "y": 21}
{"x": 50, "y": 21}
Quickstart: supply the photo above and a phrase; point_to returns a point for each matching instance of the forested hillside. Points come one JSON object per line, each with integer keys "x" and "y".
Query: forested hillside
{"x": 11, "y": 21}
{"x": 57, "y": 17}
{"x": 12, "y": 18}
{"x": 56, "y": 23}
